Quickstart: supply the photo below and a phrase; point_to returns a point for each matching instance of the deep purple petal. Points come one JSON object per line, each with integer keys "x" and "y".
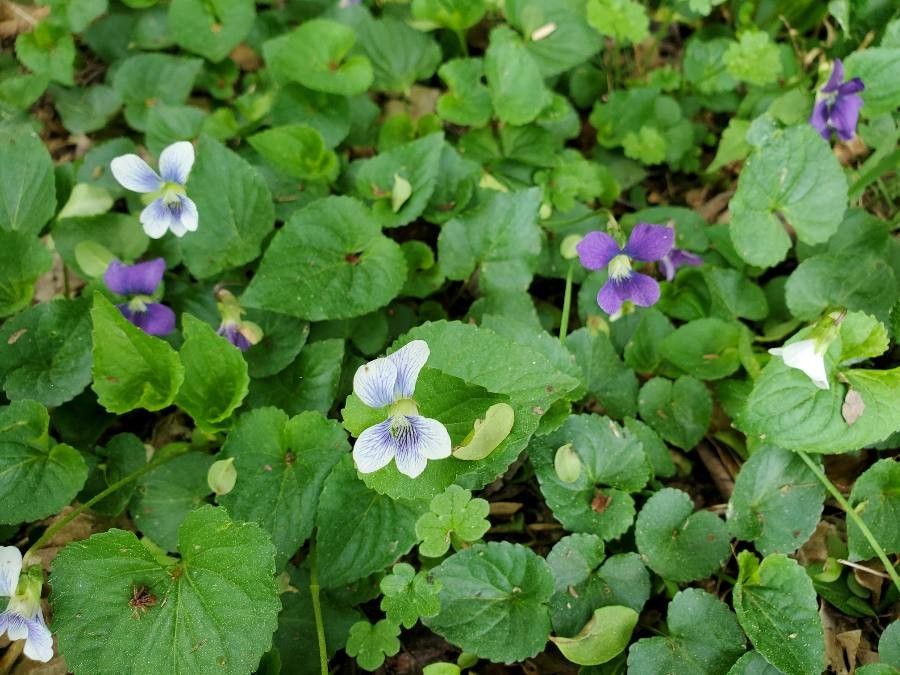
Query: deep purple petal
{"x": 142, "y": 278}
{"x": 854, "y": 86}
{"x": 844, "y": 115}
{"x": 837, "y": 76}
{"x": 819, "y": 119}
{"x": 676, "y": 258}
{"x": 232, "y": 333}
{"x": 596, "y": 250}
{"x": 640, "y": 289}
{"x": 649, "y": 242}
{"x": 610, "y": 297}
{"x": 156, "y": 319}
{"x": 175, "y": 162}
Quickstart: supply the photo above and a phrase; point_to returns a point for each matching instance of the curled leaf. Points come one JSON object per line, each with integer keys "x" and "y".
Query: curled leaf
{"x": 488, "y": 433}
{"x": 604, "y": 637}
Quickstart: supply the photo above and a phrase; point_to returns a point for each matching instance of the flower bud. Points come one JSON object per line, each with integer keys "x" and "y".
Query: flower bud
{"x": 567, "y": 464}
{"x": 567, "y": 249}
{"x": 222, "y": 476}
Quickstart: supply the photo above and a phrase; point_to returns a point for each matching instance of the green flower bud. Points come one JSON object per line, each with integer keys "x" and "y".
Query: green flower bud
{"x": 222, "y": 476}
{"x": 567, "y": 464}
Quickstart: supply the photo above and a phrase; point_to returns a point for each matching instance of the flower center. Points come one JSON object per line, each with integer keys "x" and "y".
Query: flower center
{"x": 138, "y": 303}
{"x": 620, "y": 267}
{"x": 171, "y": 194}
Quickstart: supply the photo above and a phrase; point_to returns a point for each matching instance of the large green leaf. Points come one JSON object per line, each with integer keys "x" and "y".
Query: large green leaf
{"x": 786, "y": 409}
{"x": 605, "y": 376}
{"x": 37, "y": 477}
{"x": 876, "y": 498}
{"x": 777, "y": 607}
{"x": 131, "y": 368}
{"x": 215, "y": 374}
{"x": 317, "y": 56}
{"x": 46, "y": 353}
{"x": 677, "y": 543}
{"x": 879, "y": 69}
{"x": 330, "y": 261}
{"x": 678, "y": 411}
{"x": 499, "y": 238}
{"x": 494, "y": 601}
{"x": 705, "y": 348}
{"x": 417, "y": 163}
{"x": 777, "y": 501}
{"x": 792, "y": 179}
{"x": 27, "y": 188}
{"x": 282, "y": 464}
{"x": 214, "y": 610}
{"x": 400, "y": 54}
{"x": 703, "y": 638}
{"x": 235, "y": 207}
{"x": 514, "y": 79}
{"x": 211, "y": 28}
{"x": 611, "y": 465}
{"x": 146, "y": 80}
{"x": 359, "y": 530}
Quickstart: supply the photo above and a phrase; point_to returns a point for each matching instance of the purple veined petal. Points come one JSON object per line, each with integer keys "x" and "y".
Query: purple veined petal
{"x": 596, "y": 250}
{"x": 10, "y": 569}
{"x": 375, "y": 448}
{"x": 641, "y": 289}
{"x": 417, "y": 441}
{"x": 39, "y": 643}
{"x": 134, "y": 174}
{"x": 190, "y": 219}
{"x": 819, "y": 119}
{"x": 854, "y": 86}
{"x": 374, "y": 382}
{"x": 836, "y": 77}
{"x": 409, "y": 361}
{"x": 142, "y": 278}
{"x": 16, "y": 626}
{"x": 610, "y": 297}
{"x": 432, "y": 438}
{"x": 175, "y": 162}
{"x": 231, "y": 333}
{"x": 844, "y": 115}
{"x": 676, "y": 258}
{"x": 649, "y": 242}
{"x": 156, "y": 320}
{"x": 4, "y": 622}
{"x": 156, "y": 219}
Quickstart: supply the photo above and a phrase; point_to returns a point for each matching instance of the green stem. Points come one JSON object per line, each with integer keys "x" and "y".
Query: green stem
{"x": 74, "y": 513}
{"x": 573, "y": 221}
{"x": 567, "y": 305}
{"x": 463, "y": 43}
{"x": 317, "y": 606}
{"x": 854, "y": 516}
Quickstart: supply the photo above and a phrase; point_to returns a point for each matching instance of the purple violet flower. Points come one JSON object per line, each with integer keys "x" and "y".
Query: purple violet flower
{"x": 647, "y": 243}
{"x": 171, "y": 209}
{"x": 676, "y": 258}
{"x": 141, "y": 281}
{"x": 232, "y": 332}
{"x": 242, "y": 334}
{"x": 839, "y": 109}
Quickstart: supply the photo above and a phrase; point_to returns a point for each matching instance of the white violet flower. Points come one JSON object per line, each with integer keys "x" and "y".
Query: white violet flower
{"x": 23, "y": 618}
{"x": 808, "y": 356}
{"x": 171, "y": 209}
{"x": 405, "y": 436}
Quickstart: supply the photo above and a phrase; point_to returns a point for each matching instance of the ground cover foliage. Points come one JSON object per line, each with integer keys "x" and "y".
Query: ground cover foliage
{"x": 443, "y": 336}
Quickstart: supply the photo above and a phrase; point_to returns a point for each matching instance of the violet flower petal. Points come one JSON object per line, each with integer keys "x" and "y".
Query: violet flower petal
{"x": 649, "y": 242}
{"x": 819, "y": 119}
{"x": 836, "y": 77}
{"x": 641, "y": 289}
{"x": 156, "y": 219}
{"x": 133, "y": 174}
{"x": 374, "y": 382}
{"x": 409, "y": 361}
{"x": 156, "y": 320}
{"x": 231, "y": 333}
{"x": 596, "y": 249}
{"x": 175, "y": 162}
{"x": 844, "y": 115}
{"x": 143, "y": 278}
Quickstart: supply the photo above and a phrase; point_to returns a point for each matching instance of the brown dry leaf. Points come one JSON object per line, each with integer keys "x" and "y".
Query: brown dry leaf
{"x": 853, "y": 406}
{"x": 55, "y": 666}
{"x": 849, "y": 641}
{"x": 423, "y": 100}
{"x": 505, "y": 509}
{"x": 82, "y": 526}
{"x": 16, "y": 18}
{"x": 834, "y": 652}
{"x": 245, "y": 58}
{"x": 715, "y": 206}
{"x": 815, "y": 550}
{"x": 872, "y": 582}
{"x": 59, "y": 281}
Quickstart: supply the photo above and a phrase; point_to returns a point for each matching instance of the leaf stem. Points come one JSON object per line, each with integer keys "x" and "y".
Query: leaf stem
{"x": 153, "y": 464}
{"x": 854, "y": 516}
{"x": 567, "y": 305}
{"x": 317, "y": 606}
{"x": 463, "y": 42}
